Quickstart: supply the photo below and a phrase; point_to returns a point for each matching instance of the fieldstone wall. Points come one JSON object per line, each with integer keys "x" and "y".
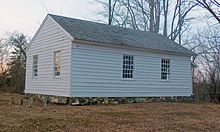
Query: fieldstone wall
{"x": 50, "y": 98}
{"x": 75, "y": 101}
{"x": 126, "y": 100}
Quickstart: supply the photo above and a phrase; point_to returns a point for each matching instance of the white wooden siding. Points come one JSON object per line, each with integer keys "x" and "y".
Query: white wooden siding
{"x": 97, "y": 72}
{"x": 48, "y": 39}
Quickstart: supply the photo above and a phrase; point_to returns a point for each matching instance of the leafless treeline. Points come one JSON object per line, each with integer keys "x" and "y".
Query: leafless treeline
{"x": 165, "y": 16}
{"x": 206, "y": 44}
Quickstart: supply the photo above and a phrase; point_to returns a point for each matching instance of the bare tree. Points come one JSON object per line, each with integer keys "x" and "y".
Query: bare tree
{"x": 146, "y": 15}
{"x": 154, "y": 6}
{"x": 165, "y": 11}
{"x": 180, "y": 26}
{"x": 110, "y": 12}
{"x": 213, "y": 6}
{"x": 180, "y": 22}
{"x": 111, "y": 9}
{"x": 206, "y": 44}
{"x": 3, "y": 63}
{"x": 3, "y": 55}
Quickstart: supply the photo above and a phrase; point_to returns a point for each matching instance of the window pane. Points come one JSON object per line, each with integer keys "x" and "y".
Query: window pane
{"x": 57, "y": 61}
{"x": 57, "y": 69}
{"x": 35, "y": 66}
{"x": 57, "y": 73}
{"x": 57, "y": 64}
{"x": 58, "y": 53}
{"x": 126, "y": 76}
{"x": 165, "y": 68}
{"x": 128, "y": 66}
{"x": 34, "y": 74}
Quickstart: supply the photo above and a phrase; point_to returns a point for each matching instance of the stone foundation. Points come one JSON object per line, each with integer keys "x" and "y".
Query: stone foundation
{"x": 125, "y": 100}
{"x": 109, "y": 100}
{"x": 50, "y": 98}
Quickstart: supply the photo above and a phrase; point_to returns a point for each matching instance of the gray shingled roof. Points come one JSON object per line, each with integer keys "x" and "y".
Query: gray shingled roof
{"x": 108, "y": 34}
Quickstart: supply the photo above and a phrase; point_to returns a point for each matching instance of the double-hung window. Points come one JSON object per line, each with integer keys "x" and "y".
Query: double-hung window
{"x": 35, "y": 66}
{"x": 165, "y": 69}
{"x": 128, "y": 66}
{"x": 57, "y": 63}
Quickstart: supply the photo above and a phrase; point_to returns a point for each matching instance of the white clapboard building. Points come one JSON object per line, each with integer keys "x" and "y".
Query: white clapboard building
{"x": 76, "y": 58}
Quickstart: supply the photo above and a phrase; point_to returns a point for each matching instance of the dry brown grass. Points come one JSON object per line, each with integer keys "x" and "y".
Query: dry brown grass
{"x": 123, "y": 117}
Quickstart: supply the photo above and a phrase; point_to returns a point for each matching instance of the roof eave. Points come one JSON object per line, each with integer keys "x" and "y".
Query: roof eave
{"x": 129, "y": 47}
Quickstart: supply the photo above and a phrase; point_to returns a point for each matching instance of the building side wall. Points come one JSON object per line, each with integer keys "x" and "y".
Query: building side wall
{"x": 97, "y": 72}
{"x": 48, "y": 39}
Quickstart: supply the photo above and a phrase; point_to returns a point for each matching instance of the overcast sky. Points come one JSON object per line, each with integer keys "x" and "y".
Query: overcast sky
{"x": 26, "y": 15}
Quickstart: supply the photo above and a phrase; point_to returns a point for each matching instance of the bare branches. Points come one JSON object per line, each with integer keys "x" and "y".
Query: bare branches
{"x": 146, "y": 15}
{"x": 210, "y": 7}
{"x": 3, "y": 55}
{"x": 111, "y": 11}
{"x": 179, "y": 22}
{"x": 208, "y": 49}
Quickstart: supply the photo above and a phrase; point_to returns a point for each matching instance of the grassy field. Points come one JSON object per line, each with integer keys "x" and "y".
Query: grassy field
{"x": 123, "y": 117}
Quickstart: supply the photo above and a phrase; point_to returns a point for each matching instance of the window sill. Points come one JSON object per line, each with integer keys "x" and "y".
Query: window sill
{"x": 128, "y": 79}
{"x": 34, "y": 77}
{"x": 57, "y": 77}
{"x": 163, "y": 80}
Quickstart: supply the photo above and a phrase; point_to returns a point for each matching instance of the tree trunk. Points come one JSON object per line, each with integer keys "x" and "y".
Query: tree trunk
{"x": 151, "y": 6}
{"x": 157, "y": 16}
{"x": 180, "y": 23}
{"x": 165, "y": 7}
{"x": 110, "y": 12}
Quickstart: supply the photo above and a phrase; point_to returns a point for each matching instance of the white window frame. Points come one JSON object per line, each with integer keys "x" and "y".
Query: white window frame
{"x": 54, "y": 64}
{"x": 128, "y": 69}
{"x": 166, "y": 63}
{"x": 35, "y": 66}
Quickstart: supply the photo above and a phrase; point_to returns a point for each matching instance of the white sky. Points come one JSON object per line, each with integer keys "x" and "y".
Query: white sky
{"x": 26, "y": 15}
